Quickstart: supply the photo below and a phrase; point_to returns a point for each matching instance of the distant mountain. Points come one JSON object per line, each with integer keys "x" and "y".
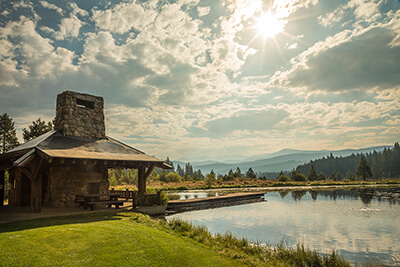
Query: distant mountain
{"x": 283, "y": 160}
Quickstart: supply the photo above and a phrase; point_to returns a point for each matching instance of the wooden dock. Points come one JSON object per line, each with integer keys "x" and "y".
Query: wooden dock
{"x": 175, "y": 206}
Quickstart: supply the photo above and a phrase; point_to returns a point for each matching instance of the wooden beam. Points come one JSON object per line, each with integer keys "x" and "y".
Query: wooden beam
{"x": 26, "y": 172}
{"x": 149, "y": 170}
{"x": 2, "y": 189}
{"x": 141, "y": 179}
{"x": 36, "y": 190}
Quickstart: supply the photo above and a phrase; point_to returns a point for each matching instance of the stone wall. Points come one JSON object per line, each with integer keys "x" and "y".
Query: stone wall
{"x": 66, "y": 182}
{"x": 80, "y": 115}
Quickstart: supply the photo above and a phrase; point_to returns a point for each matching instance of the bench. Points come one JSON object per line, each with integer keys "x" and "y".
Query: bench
{"x": 91, "y": 200}
{"x": 109, "y": 203}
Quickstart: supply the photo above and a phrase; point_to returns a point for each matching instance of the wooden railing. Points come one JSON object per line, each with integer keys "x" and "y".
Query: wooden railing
{"x": 139, "y": 199}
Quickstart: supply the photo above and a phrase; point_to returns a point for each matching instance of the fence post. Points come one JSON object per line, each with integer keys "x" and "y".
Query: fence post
{"x": 158, "y": 200}
{"x": 127, "y": 194}
{"x": 134, "y": 199}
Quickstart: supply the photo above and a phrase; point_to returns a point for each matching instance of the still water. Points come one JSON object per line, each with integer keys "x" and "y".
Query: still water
{"x": 363, "y": 225}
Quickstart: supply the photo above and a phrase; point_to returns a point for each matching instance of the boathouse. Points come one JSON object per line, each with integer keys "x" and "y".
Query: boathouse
{"x": 73, "y": 159}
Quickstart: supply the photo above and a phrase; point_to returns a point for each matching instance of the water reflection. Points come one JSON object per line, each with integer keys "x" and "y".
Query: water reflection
{"x": 360, "y": 224}
{"x": 365, "y": 194}
{"x": 193, "y": 194}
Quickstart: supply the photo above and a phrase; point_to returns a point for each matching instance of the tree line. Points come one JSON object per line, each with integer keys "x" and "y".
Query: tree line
{"x": 8, "y": 133}
{"x": 383, "y": 164}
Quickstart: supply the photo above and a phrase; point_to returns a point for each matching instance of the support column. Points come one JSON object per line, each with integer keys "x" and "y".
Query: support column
{"x": 36, "y": 189}
{"x": 2, "y": 186}
{"x": 141, "y": 179}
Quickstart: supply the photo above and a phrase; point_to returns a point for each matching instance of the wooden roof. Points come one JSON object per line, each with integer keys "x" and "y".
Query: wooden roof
{"x": 54, "y": 146}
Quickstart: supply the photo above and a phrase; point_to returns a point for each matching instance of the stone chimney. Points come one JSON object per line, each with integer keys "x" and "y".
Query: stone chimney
{"x": 80, "y": 115}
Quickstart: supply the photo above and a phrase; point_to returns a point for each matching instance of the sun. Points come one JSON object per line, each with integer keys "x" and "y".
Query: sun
{"x": 269, "y": 25}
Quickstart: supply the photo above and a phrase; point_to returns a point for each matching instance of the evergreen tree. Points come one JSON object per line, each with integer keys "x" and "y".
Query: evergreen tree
{"x": 238, "y": 172}
{"x": 163, "y": 176}
{"x": 170, "y": 163}
{"x": 189, "y": 169}
{"x": 333, "y": 176}
{"x": 180, "y": 171}
{"x": 283, "y": 178}
{"x": 295, "y": 175}
{"x": 321, "y": 176}
{"x": 250, "y": 174}
{"x": 8, "y": 135}
{"x": 36, "y": 128}
{"x": 210, "y": 178}
{"x": 350, "y": 176}
{"x": 200, "y": 175}
{"x": 364, "y": 170}
{"x": 312, "y": 174}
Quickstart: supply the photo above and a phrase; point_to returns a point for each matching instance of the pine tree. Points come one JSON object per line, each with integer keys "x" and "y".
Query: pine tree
{"x": 363, "y": 170}
{"x": 180, "y": 171}
{"x": 250, "y": 174}
{"x": 170, "y": 163}
{"x": 36, "y": 128}
{"x": 189, "y": 169}
{"x": 210, "y": 178}
{"x": 8, "y": 135}
{"x": 312, "y": 174}
{"x": 238, "y": 172}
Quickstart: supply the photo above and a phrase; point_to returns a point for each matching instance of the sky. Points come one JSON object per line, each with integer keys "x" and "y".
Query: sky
{"x": 206, "y": 79}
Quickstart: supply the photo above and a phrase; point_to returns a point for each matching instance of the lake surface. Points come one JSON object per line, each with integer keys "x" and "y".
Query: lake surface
{"x": 361, "y": 224}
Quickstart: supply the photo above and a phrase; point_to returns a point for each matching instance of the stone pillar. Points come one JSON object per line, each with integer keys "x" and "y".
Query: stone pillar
{"x": 2, "y": 186}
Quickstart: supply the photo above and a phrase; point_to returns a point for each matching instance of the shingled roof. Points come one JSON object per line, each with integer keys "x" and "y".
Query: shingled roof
{"x": 54, "y": 145}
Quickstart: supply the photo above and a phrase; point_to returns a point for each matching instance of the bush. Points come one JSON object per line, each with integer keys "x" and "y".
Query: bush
{"x": 283, "y": 178}
{"x": 297, "y": 176}
{"x": 173, "y": 177}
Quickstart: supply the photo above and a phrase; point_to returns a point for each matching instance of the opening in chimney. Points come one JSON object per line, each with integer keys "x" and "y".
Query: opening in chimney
{"x": 84, "y": 103}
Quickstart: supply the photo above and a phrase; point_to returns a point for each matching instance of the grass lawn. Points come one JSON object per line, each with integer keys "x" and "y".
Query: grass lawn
{"x": 101, "y": 239}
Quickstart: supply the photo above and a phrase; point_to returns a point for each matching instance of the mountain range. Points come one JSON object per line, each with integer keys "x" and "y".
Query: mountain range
{"x": 283, "y": 160}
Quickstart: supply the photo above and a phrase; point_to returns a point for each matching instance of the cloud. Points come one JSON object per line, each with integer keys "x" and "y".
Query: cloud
{"x": 203, "y": 10}
{"x": 350, "y": 60}
{"x": 367, "y": 10}
{"x": 69, "y": 27}
{"x": 51, "y": 7}
{"x": 78, "y": 11}
{"x": 124, "y": 17}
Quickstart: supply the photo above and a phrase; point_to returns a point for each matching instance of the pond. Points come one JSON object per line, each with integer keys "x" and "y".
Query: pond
{"x": 362, "y": 225}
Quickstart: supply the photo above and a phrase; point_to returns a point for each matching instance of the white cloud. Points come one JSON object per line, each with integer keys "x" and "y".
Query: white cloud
{"x": 367, "y": 10}
{"x": 124, "y": 17}
{"x": 47, "y": 29}
{"x": 203, "y": 10}
{"x": 78, "y": 11}
{"x": 47, "y": 5}
{"x": 69, "y": 27}
{"x": 344, "y": 62}
{"x": 292, "y": 46}
{"x": 38, "y": 54}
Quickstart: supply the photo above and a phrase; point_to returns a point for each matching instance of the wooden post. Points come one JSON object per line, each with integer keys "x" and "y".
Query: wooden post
{"x": 141, "y": 179}
{"x": 2, "y": 185}
{"x": 158, "y": 200}
{"x": 36, "y": 189}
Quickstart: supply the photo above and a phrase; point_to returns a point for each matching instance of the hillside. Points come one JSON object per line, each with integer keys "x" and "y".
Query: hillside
{"x": 285, "y": 160}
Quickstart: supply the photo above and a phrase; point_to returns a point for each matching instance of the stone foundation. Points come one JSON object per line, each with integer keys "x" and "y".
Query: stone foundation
{"x": 65, "y": 183}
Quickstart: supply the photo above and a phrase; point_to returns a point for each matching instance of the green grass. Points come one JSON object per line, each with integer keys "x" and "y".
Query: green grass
{"x": 134, "y": 239}
{"x": 100, "y": 240}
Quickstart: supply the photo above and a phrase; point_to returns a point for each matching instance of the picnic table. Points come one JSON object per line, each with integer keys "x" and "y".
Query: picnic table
{"x": 91, "y": 200}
